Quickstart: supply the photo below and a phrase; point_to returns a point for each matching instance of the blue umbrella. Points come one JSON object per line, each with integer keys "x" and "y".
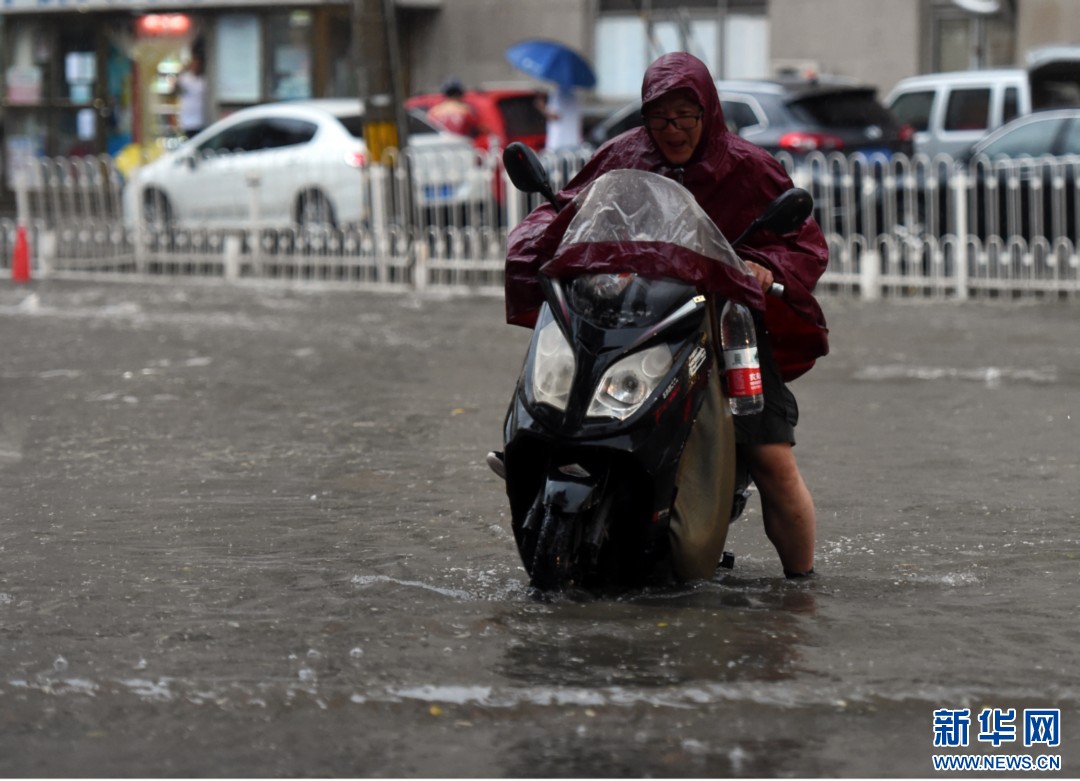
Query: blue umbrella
{"x": 552, "y": 61}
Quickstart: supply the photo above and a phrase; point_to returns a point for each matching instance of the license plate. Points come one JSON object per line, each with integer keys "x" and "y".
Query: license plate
{"x": 438, "y": 192}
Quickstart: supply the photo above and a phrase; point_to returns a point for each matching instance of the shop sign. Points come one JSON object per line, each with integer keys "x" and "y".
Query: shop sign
{"x": 162, "y": 25}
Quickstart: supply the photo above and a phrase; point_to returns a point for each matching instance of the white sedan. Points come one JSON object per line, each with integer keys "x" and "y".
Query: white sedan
{"x": 301, "y": 162}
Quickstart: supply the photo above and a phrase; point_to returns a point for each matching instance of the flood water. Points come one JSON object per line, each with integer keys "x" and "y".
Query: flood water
{"x": 249, "y": 532}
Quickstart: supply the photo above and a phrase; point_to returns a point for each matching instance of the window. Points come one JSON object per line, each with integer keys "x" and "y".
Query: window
{"x": 288, "y": 41}
{"x": 521, "y": 116}
{"x": 354, "y": 123}
{"x": 260, "y": 134}
{"x": 238, "y": 138}
{"x": 620, "y": 55}
{"x": 963, "y": 41}
{"x": 739, "y": 114}
{"x": 417, "y": 125}
{"x": 955, "y": 45}
{"x": 284, "y": 131}
{"x": 1071, "y": 143}
{"x": 335, "y": 39}
{"x": 628, "y": 120}
{"x": 968, "y": 109}
{"x": 239, "y": 59}
{"x": 732, "y": 46}
{"x": 1035, "y": 138}
{"x": 746, "y": 48}
{"x": 853, "y": 108}
{"x": 913, "y": 108}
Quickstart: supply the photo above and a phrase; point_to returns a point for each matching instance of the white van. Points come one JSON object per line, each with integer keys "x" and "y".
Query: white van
{"x": 951, "y": 111}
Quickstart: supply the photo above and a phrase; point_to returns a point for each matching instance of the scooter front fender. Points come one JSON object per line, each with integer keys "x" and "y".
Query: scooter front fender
{"x": 569, "y": 495}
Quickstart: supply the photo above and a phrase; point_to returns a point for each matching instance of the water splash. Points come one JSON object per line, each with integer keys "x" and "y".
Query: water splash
{"x": 499, "y": 594}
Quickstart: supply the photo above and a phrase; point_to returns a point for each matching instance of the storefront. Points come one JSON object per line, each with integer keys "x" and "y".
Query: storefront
{"x": 102, "y": 76}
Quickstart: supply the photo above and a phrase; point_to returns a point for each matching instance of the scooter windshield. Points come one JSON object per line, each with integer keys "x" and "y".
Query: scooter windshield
{"x": 637, "y": 222}
{"x": 639, "y": 206}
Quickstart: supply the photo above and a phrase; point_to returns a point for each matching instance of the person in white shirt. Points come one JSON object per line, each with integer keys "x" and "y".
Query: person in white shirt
{"x": 191, "y": 97}
{"x": 563, "y": 114}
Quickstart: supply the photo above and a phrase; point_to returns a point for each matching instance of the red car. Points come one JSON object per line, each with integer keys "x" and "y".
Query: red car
{"x": 508, "y": 114}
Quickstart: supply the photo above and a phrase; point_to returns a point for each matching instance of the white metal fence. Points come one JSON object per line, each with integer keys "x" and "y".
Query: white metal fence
{"x": 899, "y": 226}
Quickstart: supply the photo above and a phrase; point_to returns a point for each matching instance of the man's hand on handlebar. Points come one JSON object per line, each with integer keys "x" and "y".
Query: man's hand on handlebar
{"x": 765, "y": 278}
{"x": 761, "y": 274}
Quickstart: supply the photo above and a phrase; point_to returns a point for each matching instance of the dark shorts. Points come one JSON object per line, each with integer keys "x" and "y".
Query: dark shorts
{"x": 776, "y": 423}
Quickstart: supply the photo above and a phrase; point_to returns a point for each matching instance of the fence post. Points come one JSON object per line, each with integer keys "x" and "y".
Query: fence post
{"x": 141, "y": 234}
{"x": 960, "y": 201}
{"x": 254, "y": 182}
{"x": 380, "y": 217}
{"x": 420, "y": 267}
{"x": 514, "y": 201}
{"x": 870, "y": 273}
{"x": 46, "y": 252}
{"x": 233, "y": 250}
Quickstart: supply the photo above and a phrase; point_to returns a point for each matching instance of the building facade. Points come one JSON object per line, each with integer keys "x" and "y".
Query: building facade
{"x": 883, "y": 41}
{"x": 100, "y": 75}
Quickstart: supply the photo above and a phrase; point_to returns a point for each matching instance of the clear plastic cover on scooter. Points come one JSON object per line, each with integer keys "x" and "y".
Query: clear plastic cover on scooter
{"x": 639, "y": 206}
{"x": 650, "y": 238}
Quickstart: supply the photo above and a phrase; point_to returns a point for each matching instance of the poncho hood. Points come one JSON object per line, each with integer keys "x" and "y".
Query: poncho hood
{"x": 682, "y": 71}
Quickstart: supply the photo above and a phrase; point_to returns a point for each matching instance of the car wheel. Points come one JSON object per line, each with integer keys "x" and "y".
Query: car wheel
{"x": 157, "y": 211}
{"x": 313, "y": 210}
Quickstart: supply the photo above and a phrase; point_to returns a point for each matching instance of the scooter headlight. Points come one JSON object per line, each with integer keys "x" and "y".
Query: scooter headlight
{"x": 553, "y": 367}
{"x": 628, "y": 383}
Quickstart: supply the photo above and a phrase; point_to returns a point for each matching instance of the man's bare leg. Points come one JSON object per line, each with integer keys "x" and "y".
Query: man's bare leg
{"x": 786, "y": 505}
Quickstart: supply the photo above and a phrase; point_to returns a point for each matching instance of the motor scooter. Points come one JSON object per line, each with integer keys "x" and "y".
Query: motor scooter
{"x": 619, "y": 453}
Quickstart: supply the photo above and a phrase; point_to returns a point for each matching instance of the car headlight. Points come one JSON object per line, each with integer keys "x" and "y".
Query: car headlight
{"x": 553, "y": 367}
{"x": 628, "y": 383}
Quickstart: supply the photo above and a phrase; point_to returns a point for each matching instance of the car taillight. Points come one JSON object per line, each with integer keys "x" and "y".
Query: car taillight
{"x": 356, "y": 159}
{"x": 907, "y": 132}
{"x": 810, "y": 142}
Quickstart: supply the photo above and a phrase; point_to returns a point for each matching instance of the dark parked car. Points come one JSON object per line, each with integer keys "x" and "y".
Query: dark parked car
{"x": 794, "y": 116}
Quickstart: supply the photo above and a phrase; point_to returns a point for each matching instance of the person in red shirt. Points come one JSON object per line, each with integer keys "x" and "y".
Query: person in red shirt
{"x": 453, "y": 113}
{"x": 685, "y": 137}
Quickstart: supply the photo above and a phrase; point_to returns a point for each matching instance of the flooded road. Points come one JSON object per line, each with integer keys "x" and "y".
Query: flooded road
{"x": 250, "y": 532}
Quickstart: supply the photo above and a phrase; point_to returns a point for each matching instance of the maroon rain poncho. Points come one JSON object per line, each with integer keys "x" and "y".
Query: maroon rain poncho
{"x": 732, "y": 179}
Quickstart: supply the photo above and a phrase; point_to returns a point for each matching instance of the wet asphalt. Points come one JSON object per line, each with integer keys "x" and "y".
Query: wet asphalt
{"x": 248, "y": 531}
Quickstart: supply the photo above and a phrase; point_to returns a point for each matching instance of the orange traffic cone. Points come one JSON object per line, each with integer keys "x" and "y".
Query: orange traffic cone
{"x": 20, "y": 257}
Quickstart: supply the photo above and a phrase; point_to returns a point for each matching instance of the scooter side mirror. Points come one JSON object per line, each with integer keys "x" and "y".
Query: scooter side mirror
{"x": 790, "y": 210}
{"x": 526, "y": 172}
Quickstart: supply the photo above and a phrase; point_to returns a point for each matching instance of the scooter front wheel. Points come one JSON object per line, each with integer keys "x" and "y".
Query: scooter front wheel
{"x": 555, "y": 561}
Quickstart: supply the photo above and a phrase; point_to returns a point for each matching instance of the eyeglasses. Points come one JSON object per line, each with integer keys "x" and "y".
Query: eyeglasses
{"x": 681, "y": 122}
